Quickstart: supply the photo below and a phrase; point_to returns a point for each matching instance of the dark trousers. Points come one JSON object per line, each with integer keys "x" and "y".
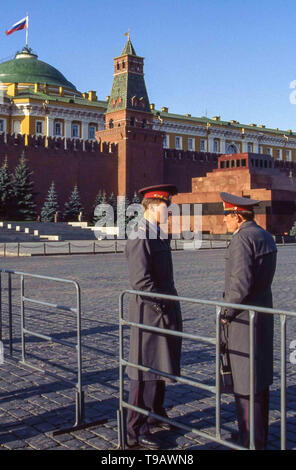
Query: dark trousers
{"x": 261, "y": 409}
{"x": 148, "y": 395}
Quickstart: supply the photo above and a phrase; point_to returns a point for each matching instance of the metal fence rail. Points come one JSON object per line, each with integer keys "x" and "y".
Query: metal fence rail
{"x": 213, "y": 389}
{"x": 25, "y": 331}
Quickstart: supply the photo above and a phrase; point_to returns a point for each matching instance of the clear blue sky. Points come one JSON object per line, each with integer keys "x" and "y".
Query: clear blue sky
{"x": 234, "y": 58}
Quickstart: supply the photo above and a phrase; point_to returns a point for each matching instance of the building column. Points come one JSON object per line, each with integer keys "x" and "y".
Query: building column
{"x": 67, "y": 124}
{"x": 222, "y": 145}
{"x": 255, "y": 147}
{"x": 245, "y": 146}
{"x": 84, "y": 133}
{"x": 49, "y": 126}
{"x": 210, "y": 144}
{"x": 67, "y": 131}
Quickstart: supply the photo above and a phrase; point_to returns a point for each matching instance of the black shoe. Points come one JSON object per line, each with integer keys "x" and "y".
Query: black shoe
{"x": 160, "y": 424}
{"x": 131, "y": 441}
{"x": 154, "y": 423}
{"x": 149, "y": 441}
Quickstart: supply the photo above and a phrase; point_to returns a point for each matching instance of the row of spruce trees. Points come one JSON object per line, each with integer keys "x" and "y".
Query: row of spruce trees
{"x": 74, "y": 206}
{"x": 16, "y": 192}
{"x": 17, "y": 198}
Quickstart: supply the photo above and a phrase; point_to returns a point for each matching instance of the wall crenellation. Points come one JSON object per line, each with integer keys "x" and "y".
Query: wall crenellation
{"x": 58, "y": 144}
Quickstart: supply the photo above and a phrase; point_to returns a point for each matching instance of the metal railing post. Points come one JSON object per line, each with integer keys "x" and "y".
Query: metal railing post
{"x": 252, "y": 383}
{"x": 283, "y": 383}
{"x": 121, "y": 423}
{"x": 0, "y": 305}
{"x": 23, "y": 319}
{"x": 218, "y": 382}
{"x": 10, "y": 314}
{"x": 79, "y": 391}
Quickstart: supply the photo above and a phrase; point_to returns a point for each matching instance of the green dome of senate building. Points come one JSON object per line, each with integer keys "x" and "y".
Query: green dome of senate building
{"x": 26, "y": 68}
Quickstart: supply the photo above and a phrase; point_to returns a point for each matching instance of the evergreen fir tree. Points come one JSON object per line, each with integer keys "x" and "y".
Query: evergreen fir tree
{"x": 136, "y": 198}
{"x": 24, "y": 207}
{"x": 100, "y": 199}
{"x": 50, "y": 206}
{"x": 6, "y": 193}
{"x": 293, "y": 230}
{"x": 113, "y": 204}
{"x": 127, "y": 217}
{"x": 122, "y": 218}
{"x": 73, "y": 206}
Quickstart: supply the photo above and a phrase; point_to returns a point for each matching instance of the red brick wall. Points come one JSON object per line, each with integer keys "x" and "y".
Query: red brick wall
{"x": 91, "y": 171}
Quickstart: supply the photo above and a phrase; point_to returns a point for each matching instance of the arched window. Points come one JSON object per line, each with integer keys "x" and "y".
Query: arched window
{"x": 111, "y": 125}
{"x": 231, "y": 149}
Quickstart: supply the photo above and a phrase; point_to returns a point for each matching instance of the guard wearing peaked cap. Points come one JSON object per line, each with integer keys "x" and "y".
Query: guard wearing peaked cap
{"x": 250, "y": 268}
{"x": 234, "y": 203}
{"x": 151, "y": 270}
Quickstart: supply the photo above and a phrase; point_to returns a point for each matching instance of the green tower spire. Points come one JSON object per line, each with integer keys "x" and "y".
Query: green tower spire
{"x": 129, "y": 89}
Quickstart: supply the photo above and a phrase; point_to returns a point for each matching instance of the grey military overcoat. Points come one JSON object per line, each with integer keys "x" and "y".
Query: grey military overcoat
{"x": 250, "y": 267}
{"x": 151, "y": 270}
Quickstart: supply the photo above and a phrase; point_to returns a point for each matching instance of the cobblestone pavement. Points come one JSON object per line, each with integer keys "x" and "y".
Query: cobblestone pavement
{"x": 33, "y": 405}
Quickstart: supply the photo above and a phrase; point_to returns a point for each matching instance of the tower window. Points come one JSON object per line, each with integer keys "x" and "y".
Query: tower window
{"x": 111, "y": 124}
{"x": 132, "y": 121}
{"x": 134, "y": 101}
{"x": 123, "y": 65}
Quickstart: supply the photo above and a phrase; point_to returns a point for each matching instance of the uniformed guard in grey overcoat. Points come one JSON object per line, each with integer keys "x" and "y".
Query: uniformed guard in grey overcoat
{"x": 151, "y": 270}
{"x": 250, "y": 268}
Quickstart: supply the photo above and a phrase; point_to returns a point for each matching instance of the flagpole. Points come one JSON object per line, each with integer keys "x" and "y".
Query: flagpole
{"x": 27, "y": 30}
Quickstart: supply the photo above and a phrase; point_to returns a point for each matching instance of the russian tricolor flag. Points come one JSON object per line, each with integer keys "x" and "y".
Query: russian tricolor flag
{"x": 22, "y": 24}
